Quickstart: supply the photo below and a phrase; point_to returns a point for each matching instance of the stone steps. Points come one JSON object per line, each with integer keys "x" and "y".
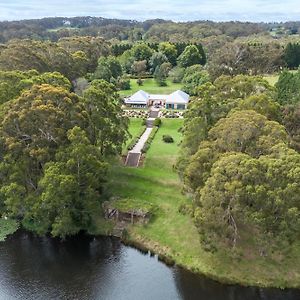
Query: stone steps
{"x": 133, "y": 159}
{"x": 154, "y": 114}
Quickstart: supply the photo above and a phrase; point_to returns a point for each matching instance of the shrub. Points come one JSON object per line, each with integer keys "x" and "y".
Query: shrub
{"x": 123, "y": 83}
{"x": 157, "y": 122}
{"x": 150, "y": 139}
{"x": 139, "y": 82}
{"x": 168, "y": 139}
{"x": 135, "y": 139}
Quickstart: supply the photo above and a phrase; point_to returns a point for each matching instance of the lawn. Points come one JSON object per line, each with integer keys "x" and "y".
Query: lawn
{"x": 150, "y": 86}
{"x": 134, "y": 129}
{"x": 272, "y": 79}
{"x": 173, "y": 235}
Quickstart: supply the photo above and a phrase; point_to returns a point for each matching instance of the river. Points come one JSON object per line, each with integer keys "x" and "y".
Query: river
{"x": 103, "y": 268}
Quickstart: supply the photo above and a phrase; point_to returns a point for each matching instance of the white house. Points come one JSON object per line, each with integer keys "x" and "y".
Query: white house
{"x": 139, "y": 99}
{"x": 176, "y": 100}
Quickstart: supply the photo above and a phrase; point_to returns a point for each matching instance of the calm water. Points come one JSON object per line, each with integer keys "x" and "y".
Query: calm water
{"x": 103, "y": 268}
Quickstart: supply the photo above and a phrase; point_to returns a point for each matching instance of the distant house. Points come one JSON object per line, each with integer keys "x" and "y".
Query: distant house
{"x": 176, "y": 100}
{"x": 139, "y": 99}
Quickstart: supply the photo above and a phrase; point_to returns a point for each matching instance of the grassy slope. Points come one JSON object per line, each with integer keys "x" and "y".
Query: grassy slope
{"x": 134, "y": 129}
{"x": 174, "y": 235}
{"x": 272, "y": 79}
{"x": 150, "y": 86}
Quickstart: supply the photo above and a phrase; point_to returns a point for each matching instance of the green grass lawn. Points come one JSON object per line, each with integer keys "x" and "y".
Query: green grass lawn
{"x": 150, "y": 86}
{"x": 272, "y": 79}
{"x": 134, "y": 129}
{"x": 135, "y": 126}
{"x": 174, "y": 235}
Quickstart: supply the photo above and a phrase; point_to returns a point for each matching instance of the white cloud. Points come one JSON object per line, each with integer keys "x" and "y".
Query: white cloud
{"x": 183, "y": 10}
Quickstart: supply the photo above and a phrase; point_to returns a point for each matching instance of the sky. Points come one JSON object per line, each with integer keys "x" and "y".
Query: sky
{"x": 176, "y": 10}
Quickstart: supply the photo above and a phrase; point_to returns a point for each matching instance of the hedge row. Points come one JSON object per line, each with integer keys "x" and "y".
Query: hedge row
{"x": 135, "y": 139}
{"x": 150, "y": 139}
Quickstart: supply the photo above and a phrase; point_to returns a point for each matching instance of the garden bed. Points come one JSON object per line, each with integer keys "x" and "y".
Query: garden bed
{"x": 136, "y": 113}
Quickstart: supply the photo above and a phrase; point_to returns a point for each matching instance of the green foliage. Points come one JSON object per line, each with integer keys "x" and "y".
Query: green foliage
{"x": 169, "y": 50}
{"x": 291, "y": 117}
{"x": 128, "y": 205}
{"x": 177, "y": 74}
{"x": 213, "y": 102}
{"x": 107, "y": 125}
{"x": 167, "y": 139}
{"x": 126, "y": 60}
{"x": 7, "y": 227}
{"x": 194, "y": 77}
{"x": 72, "y": 57}
{"x": 151, "y": 86}
{"x": 141, "y": 51}
{"x": 70, "y": 189}
{"x": 161, "y": 73}
{"x": 157, "y": 122}
{"x": 236, "y": 58}
{"x": 150, "y": 139}
{"x": 190, "y": 56}
{"x": 123, "y": 83}
{"x": 92, "y": 47}
{"x": 235, "y": 159}
{"x": 108, "y": 68}
{"x": 12, "y": 83}
{"x": 288, "y": 87}
{"x": 139, "y": 82}
{"x": 139, "y": 68}
{"x": 156, "y": 60}
{"x": 292, "y": 55}
{"x": 242, "y": 131}
{"x": 259, "y": 193}
{"x": 262, "y": 104}
{"x": 136, "y": 138}
{"x": 53, "y": 151}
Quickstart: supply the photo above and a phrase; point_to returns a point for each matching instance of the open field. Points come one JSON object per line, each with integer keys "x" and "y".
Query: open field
{"x": 174, "y": 235}
{"x": 272, "y": 79}
{"x": 150, "y": 86}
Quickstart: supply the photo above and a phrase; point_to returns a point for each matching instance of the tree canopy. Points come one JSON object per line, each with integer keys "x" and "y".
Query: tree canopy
{"x": 238, "y": 163}
{"x": 54, "y": 151}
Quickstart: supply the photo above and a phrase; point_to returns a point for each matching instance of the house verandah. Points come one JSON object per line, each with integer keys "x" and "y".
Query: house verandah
{"x": 141, "y": 99}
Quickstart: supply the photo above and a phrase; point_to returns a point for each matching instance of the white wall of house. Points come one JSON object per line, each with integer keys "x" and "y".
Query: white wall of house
{"x": 176, "y": 100}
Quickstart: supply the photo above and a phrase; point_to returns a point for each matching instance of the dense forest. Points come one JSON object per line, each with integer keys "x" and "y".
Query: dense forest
{"x": 61, "y": 121}
{"x": 128, "y": 30}
{"x": 240, "y": 157}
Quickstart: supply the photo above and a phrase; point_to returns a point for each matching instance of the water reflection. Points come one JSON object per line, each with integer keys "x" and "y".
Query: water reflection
{"x": 102, "y": 268}
{"x": 195, "y": 287}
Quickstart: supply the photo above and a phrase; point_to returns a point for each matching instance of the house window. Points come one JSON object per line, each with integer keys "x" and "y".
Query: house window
{"x": 170, "y": 106}
{"x": 180, "y": 106}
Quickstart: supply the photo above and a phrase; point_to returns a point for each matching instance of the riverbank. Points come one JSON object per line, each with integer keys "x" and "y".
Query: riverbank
{"x": 7, "y": 227}
{"x": 173, "y": 235}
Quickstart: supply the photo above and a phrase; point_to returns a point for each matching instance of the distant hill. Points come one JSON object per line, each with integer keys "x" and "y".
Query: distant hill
{"x": 130, "y": 30}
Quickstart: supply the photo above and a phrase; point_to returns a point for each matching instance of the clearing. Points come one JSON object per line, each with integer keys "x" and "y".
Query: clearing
{"x": 173, "y": 235}
{"x": 150, "y": 86}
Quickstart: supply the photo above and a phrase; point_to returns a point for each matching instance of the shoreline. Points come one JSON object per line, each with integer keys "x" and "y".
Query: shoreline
{"x": 146, "y": 246}
{"x": 173, "y": 236}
